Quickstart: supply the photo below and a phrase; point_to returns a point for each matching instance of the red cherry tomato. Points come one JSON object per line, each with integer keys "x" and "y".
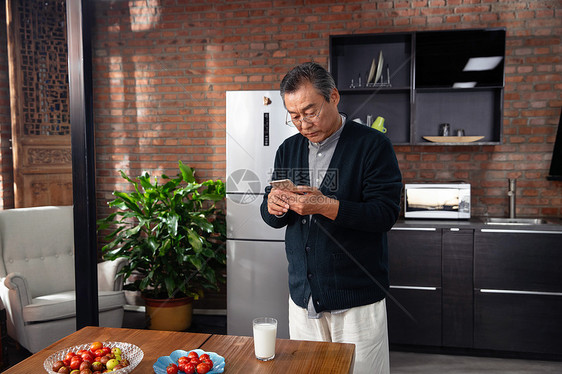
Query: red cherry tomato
{"x": 195, "y": 361}
{"x": 181, "y": 366}
{"x": 106, "y": 350}
{"x": 204, "y": 367}
{"x": 95, "y": 346}
{"x": 204, "y": 357}
{"x": 75, "y": 363}
{"x": 172, "y": 369}
{"x": 69, "y": 356}
{"x": 192, "y": 354}
{"x": 99, "y": 353}
{"x": 87, "y": 356}
{"x": 189, "y": 368}
{"x": 183, "y": 359}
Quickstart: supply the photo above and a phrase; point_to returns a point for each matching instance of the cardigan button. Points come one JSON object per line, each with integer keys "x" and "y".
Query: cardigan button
{"x": 304, "y": 221}
{"x": 307, "y": 249}
{"x": 310, "y": 275}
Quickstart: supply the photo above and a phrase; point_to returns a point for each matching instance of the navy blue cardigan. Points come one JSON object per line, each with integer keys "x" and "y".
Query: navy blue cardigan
{"x": 343, "y": 263}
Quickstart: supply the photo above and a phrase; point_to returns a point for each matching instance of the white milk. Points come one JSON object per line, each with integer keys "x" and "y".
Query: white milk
{"x": 264, "y": 340}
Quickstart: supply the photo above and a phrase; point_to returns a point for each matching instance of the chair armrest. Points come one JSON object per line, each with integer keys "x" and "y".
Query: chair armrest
{"x": 15, "y": 295}
{"x": 107, "y": 275}
{"x": 17, "y": 283}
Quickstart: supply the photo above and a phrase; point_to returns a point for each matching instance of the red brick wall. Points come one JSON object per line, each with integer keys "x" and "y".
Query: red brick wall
{"x": 6, "y": 171}
{"x": 162, "y": 68}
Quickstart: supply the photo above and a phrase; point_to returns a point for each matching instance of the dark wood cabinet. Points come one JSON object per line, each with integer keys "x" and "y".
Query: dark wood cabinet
{"x": 476, "y": 288}
{"x": 414, "y": 257}
{"x": 431, "y": 283}
{"x": 518, "y": 260}
{"x": 414, "y": 316}
{"x": 425, "y": 80}
{"x": 518, "y": 290}
{"x": 414, "y": 305}
{"x": 457, "y": 288}
{"x": 518, "y": 322}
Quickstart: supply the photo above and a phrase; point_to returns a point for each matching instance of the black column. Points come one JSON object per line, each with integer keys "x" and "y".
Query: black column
{"x": 79, "y": 17}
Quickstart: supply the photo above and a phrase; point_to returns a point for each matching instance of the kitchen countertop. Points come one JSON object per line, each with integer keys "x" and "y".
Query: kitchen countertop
{"x": 554, "y": 224}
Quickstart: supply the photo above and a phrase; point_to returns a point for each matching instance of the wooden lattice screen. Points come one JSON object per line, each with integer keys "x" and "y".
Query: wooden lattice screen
{"x": 44, "y": 67}
{"x": 38, "y": 53}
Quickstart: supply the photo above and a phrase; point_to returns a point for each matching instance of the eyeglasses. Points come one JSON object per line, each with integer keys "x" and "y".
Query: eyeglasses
{"x": 308, "y": 119}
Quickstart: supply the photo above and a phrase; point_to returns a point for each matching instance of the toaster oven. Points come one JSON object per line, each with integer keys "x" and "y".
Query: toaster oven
{"x": 441, "y": 201}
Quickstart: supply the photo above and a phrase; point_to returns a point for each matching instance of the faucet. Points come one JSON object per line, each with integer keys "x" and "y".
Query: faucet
{"x": 511, "y": 194}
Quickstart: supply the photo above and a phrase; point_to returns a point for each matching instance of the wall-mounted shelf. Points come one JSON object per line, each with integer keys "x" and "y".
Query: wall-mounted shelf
{"x": 423, "y": 70}
{"x": 374, "y": 90}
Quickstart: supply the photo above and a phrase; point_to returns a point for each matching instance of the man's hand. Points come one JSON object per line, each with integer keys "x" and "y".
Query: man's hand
{"x": 278, "y": 202}
{"x": 311, "y": 201}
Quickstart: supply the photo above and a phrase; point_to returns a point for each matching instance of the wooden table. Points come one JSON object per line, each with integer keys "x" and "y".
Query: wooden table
{"x": 291, "y": 356}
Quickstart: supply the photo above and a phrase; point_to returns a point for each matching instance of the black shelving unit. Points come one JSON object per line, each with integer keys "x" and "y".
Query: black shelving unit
{"x": 417, "y": 89}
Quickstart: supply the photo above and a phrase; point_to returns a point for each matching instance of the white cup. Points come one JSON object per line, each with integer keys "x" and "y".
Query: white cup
{"x": 265, "y": 333}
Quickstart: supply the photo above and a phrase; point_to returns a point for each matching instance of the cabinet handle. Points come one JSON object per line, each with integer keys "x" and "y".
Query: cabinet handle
{"x": 415, "y": 288}
{"x": 521, "y": 231}
{"x": 520, "y": 292}
{"x": 414, "y": 228}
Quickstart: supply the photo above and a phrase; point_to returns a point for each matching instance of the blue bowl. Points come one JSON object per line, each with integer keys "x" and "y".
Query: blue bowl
{"x": 162, "y": 363}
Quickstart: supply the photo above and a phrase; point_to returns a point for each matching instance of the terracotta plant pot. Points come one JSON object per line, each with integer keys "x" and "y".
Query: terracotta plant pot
{"x": 169, "y": 314}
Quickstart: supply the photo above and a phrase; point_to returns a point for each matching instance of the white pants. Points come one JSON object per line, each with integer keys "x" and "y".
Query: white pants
{"x": 364, "y": 326}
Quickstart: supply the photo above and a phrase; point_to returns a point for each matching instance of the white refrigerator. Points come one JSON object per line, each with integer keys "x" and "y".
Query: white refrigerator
{"x": 257, "y": 279}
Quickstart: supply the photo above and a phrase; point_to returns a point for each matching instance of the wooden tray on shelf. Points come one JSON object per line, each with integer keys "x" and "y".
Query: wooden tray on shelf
{"x": 453, "y": 139}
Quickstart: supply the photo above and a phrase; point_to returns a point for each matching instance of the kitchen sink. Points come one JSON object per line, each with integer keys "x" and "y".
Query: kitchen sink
{"x": 516, "y": 221}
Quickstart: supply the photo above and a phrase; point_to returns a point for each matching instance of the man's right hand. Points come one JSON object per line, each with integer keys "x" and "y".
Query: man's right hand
{"x": 277, "y": 202}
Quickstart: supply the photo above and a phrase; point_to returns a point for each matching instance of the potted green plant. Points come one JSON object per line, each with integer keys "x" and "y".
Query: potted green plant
{"x": 173, "y": 236}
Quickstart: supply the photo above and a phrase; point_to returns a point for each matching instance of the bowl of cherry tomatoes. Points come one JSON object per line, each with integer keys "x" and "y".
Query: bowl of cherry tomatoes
{"x": 97, "y": 357}
{"x": 195, "y": 361}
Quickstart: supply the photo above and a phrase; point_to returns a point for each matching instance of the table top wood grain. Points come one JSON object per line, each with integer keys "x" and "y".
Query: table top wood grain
{"x": 292, "y": 356}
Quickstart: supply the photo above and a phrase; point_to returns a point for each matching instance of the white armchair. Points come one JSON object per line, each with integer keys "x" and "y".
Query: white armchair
{"x": 37, "y": 277}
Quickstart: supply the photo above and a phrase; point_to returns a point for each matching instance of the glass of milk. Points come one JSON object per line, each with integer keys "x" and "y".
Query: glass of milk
{"x": 265, "y": 333}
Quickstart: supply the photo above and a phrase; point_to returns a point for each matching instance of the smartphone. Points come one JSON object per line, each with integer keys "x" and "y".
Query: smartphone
{"x": 284, "y": 184}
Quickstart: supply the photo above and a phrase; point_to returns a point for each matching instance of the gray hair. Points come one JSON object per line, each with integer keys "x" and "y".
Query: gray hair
{"x": 311, "y": 72}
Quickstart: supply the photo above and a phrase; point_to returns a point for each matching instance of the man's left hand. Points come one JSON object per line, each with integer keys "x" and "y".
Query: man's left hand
{"x": 311, "y": 201}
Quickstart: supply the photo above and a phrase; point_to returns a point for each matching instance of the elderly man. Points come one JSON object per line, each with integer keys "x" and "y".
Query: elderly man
{"x": 348, "y": 197}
